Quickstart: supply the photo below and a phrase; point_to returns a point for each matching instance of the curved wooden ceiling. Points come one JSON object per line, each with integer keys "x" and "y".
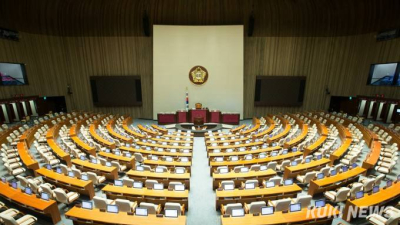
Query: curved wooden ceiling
{"x": 272, "y": 17}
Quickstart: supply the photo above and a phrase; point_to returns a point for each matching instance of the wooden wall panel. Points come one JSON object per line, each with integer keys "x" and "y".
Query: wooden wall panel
{"x": 339, "y": 63}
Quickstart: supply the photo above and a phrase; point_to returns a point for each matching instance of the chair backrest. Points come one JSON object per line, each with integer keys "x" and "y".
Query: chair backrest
{"x": 309, "y": 176}
{"x": 138, "y": 157}
{"x": 304, "y": 200}
{"x": 100, "y": 203}
{"x": 64, "y": 169}
{"x": 151, "y": 208}
{"x": 356, "y": 187}
{"x": 128, "y": 182}
{"x": 93, "y": 177}
{"x": 33, "y": 186}
{"x": 150, "y": 183}
{"x": 368, "y": 184}
{"x": 77, "y": 172}
{"x": 22, "y": 180}
{"x": 272, "y": 165}
{"x": 255, "y": 167}
{"x": 284, "y": 164}
{"x": 173, "y": 183}
{"x": 255, "y": 182}
{"x": 255, "y": 207}
{"x": 227, "y": 182}
{"x": 61, "y": 196}
{"x": 173, "y": 205}
{"x": 236, "y": 169}
{"x": 276, "y": 180}
{"x": 341, "y": 194}
{"x": 282, "y": 204}
{"x": 123, "y": 205}
{"x": 229, "y": 207}
{"x": 47, "y": 189}
{"x": 221, "y": 167}
{"x": 379, "y": 179}
{"x": 8, "y": 220}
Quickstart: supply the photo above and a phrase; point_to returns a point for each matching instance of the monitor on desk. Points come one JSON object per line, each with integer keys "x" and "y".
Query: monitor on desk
{"x": 319, "y": 157}
{"x": 223, "y": 170}
{"x": 58, "y": 170}
{"x": 44, "y": 196}
{"x": 139, "y": 168}
{"x": 118, "y": 153}
{"x": 244, "y": 169}
{"x": 179, "y": 170}
{"x": 354, "y": 165}
{"x": 263, "y": 167}
{"x": 389, "y": 183}
{"x": 128, "y": 155}
{"x": 108, "y": 164}
{"x": 294, "y": 149}
{"x": 270, "y": 184}
{"x": 87, "y": 205}
{"x": 14, "y": 185}
{"x": 48, "y": 166}
{"x": 359, "y": 194}
{"x": 288, "y": 182}
{"x": 159, "y": 170}
{"x": 179, "y": 187}
{"x": 118, "y": 183}
{"x": 112, "y": 209}
{"x": 398, "y": 178}
{"x": 141, "y": 211}
{"x": 171, "y": 213}
{"x": 274, "y": 153}
{"x": 28, "y": 191}
{"x": 294, "y": 163}
{"x": 308, "y": 160}
{"x": 83, "y": 158}
{"x": 319, "y": 203}
{"x": 375, "y": 189}
{"x": 320, "y": 176}
{"x": 333, "y": 172}
{"x": 108, "y": 150}
{"x": 284, "y": 152}
{"x": 295, "y": 207}
{"x": 137, "y": 184}
{"x": 158, "y": 186}
{"x": 234, "y": 158}
{"x": 229, "y": 187}
{"x": 94, "y": 161}
{"x": 344, "y": 169}
{"x": 249, "y": 186}
{"x": 219, "y": 159}
{"x": 237, "y": 212}
{"x": 267, "y": 210}
{"x": 85, "y": 177}
{"x": 3, "y": 179}
{"x": 71, "y": 174}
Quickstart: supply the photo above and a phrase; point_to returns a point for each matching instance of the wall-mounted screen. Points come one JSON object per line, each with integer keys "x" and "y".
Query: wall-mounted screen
{"x": 279, "y": 90}
{"x": 116, "y": 90}
{"x": 12, "y": 74}
{"x": 385, "y": 74}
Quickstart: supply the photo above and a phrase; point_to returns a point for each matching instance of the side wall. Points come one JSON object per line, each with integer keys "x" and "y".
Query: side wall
{"x": 340, "y": 64}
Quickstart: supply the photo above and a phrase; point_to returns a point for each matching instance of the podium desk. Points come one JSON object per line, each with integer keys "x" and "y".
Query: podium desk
{"x": 333, "y": 182}
{"x": 85, "y": 216}
{"x": 110, "y": 173}
{"x": 69, "y": 183}
{"x": 31, "y": 202}
{"x": 238, "y": 178}
{"x": 376, "y": 199}
{"x": 257, "y": 194}
{"x": 215, "y": 116}
{"x": 164, "y": 178}
{"x": 166, "y": 118}
{"x": 313, "y": 216}
{"x": 193, "y": 113}
{"x": 181, "y": 116}
{"x": 230, "y": 118}
{"x": 147, "y": 195}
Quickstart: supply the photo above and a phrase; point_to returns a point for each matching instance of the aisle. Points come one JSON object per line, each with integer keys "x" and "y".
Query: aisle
{"x": 201, "y": 196}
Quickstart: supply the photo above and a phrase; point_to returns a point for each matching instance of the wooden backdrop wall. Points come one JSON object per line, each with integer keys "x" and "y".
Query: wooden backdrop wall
{"x": 340, "y": 64}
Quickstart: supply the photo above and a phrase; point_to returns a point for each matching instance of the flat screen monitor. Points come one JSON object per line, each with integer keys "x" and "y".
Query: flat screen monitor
{"x": 237, "y": 212}
{"x": 295, "y": 207}
{"x": 344, "y": 168}
{"x": 108, "y": 150}
{"x": 112, "y": 208}
{"x": 28, "y": 191}
{"x": 128, "y": 155}
{"x": 118, "y": 183}
{"x": 83, "y": 158}
{"x": 389, "y": 183}
{"x": 234, "y": 158}
{"x": 320, "y": 176}
{"x": 12, "y": 74}
{"x": 375, "y": 189}
{"x": 270, "y": 184}
{"x": 3, "y": 179}
{"x": 141, "y": 211}
{"x": 267, "y": 210}
{"x": 359, "y": 194}
{"x": 172, "y": 213}
{"x": 87, "y": 205}
{"x": 319, "y": 157}
{"x": 308, "y": 160}
{"x": 354, "y": 165}
{"x": 384, "y": 74}
{"x": 108, "y": 164}
{"x": 294, "y": 149}
{"x": 158, "y": 187}
{"x": 284, "y": 152}
{"x": 71, "y": 174}
{"x": 44, "y": 196}
{"x": 137, "y": 184}
{"x": 94, "y": 161}
{"x": 179, "y": 187}
{"x": 244, "y": 170}
{"x": 274, "y": 153}
{"x": 14, "y": 185}
{"x": 153, "y": 157}
{"x": 398, "y": 178}
{"x": 250, "y": 186}
{"x": 319, "y": 203}
{"x": 294, "y": 163}
{"x": 58, "y": 170}
{"x": 139, "y": 168}
{"x": 288, "y": 182}
{"x": 84, "y": 177}
{"x": 179, "y": 170}
{"x": 48, "y": 166}
{"x": 117, "y": 153}
{"x": 223, "y": 170}
{"x": 159, "y": 170}
{"x": 229, "y": 187}
{"x": 333, "y": 172}
{"x": 263, "y": 167}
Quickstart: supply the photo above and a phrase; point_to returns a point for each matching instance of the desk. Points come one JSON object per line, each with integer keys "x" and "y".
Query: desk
{"x": 333, "y": 182}
{"x": 257, "y": 194}
{"x": 129, "y": 162}
{"x": 84, "y": 216}
{"x": 162, "y": 130}
{"x": 31, "y": 202}
{"x": 116, "y": 135}
{"x": 219, "y": 141}
{"x": 298, "y": 139}
{"x": 110, "y": 173}
{"x": 125, "y": 126}
{"x": 237, "y": 129}
{"x": 230, "y": 118}
{"x": 322, "y": 215}
{"x": 72, "y": 184}
{"x": 97, "y": 137}
{"x": 212, "y": 155}
{"x": 251, "y": 144}
{"x": 149, "y": 132}
{"x": 215, "y": 116}
{"x": 373, "y": 157}
{"x": 231, "y": 164}
{"x": 169, "y": 165}
{"x": 52, "y": 134}
{"x": 146, "y": 195}
{"x": 280, "y": 135}
{"x": 379, "y": 198}
{"x": 164, "y": 178}
{"x": 303, "y": 168}
{"x": 160, "y": 140}
{"x": 163, "y": 146}
{"x": 166, "y": 118}
{"x": 152, "y": 152}
{"x": 314, "y": 146}
{"x": 238, "y": 178}
{"x": 203, "y": 113}
{"x": 256, "y": 126}
{"x": 25, "y": 156}
{"x": 271, "y": 124}
{"x": 338, "y": 153}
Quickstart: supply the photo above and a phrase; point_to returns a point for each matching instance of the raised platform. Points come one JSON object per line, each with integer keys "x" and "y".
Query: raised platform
{"x": 199, "y": 133}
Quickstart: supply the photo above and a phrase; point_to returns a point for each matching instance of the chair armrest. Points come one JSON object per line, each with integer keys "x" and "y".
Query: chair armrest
{"x": 183, "y": 209}
{"x": 246, "y": 208}
{"x": 222, "y": 209}
{"x": 159, "y": 209}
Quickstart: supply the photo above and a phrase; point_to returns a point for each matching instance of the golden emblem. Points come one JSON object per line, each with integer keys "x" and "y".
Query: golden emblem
{"x": 198, "y": 75}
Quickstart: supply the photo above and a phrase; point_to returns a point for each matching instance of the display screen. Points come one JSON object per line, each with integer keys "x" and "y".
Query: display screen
{"x": 13, "y": 74}
{"x": 386, "y": 74}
